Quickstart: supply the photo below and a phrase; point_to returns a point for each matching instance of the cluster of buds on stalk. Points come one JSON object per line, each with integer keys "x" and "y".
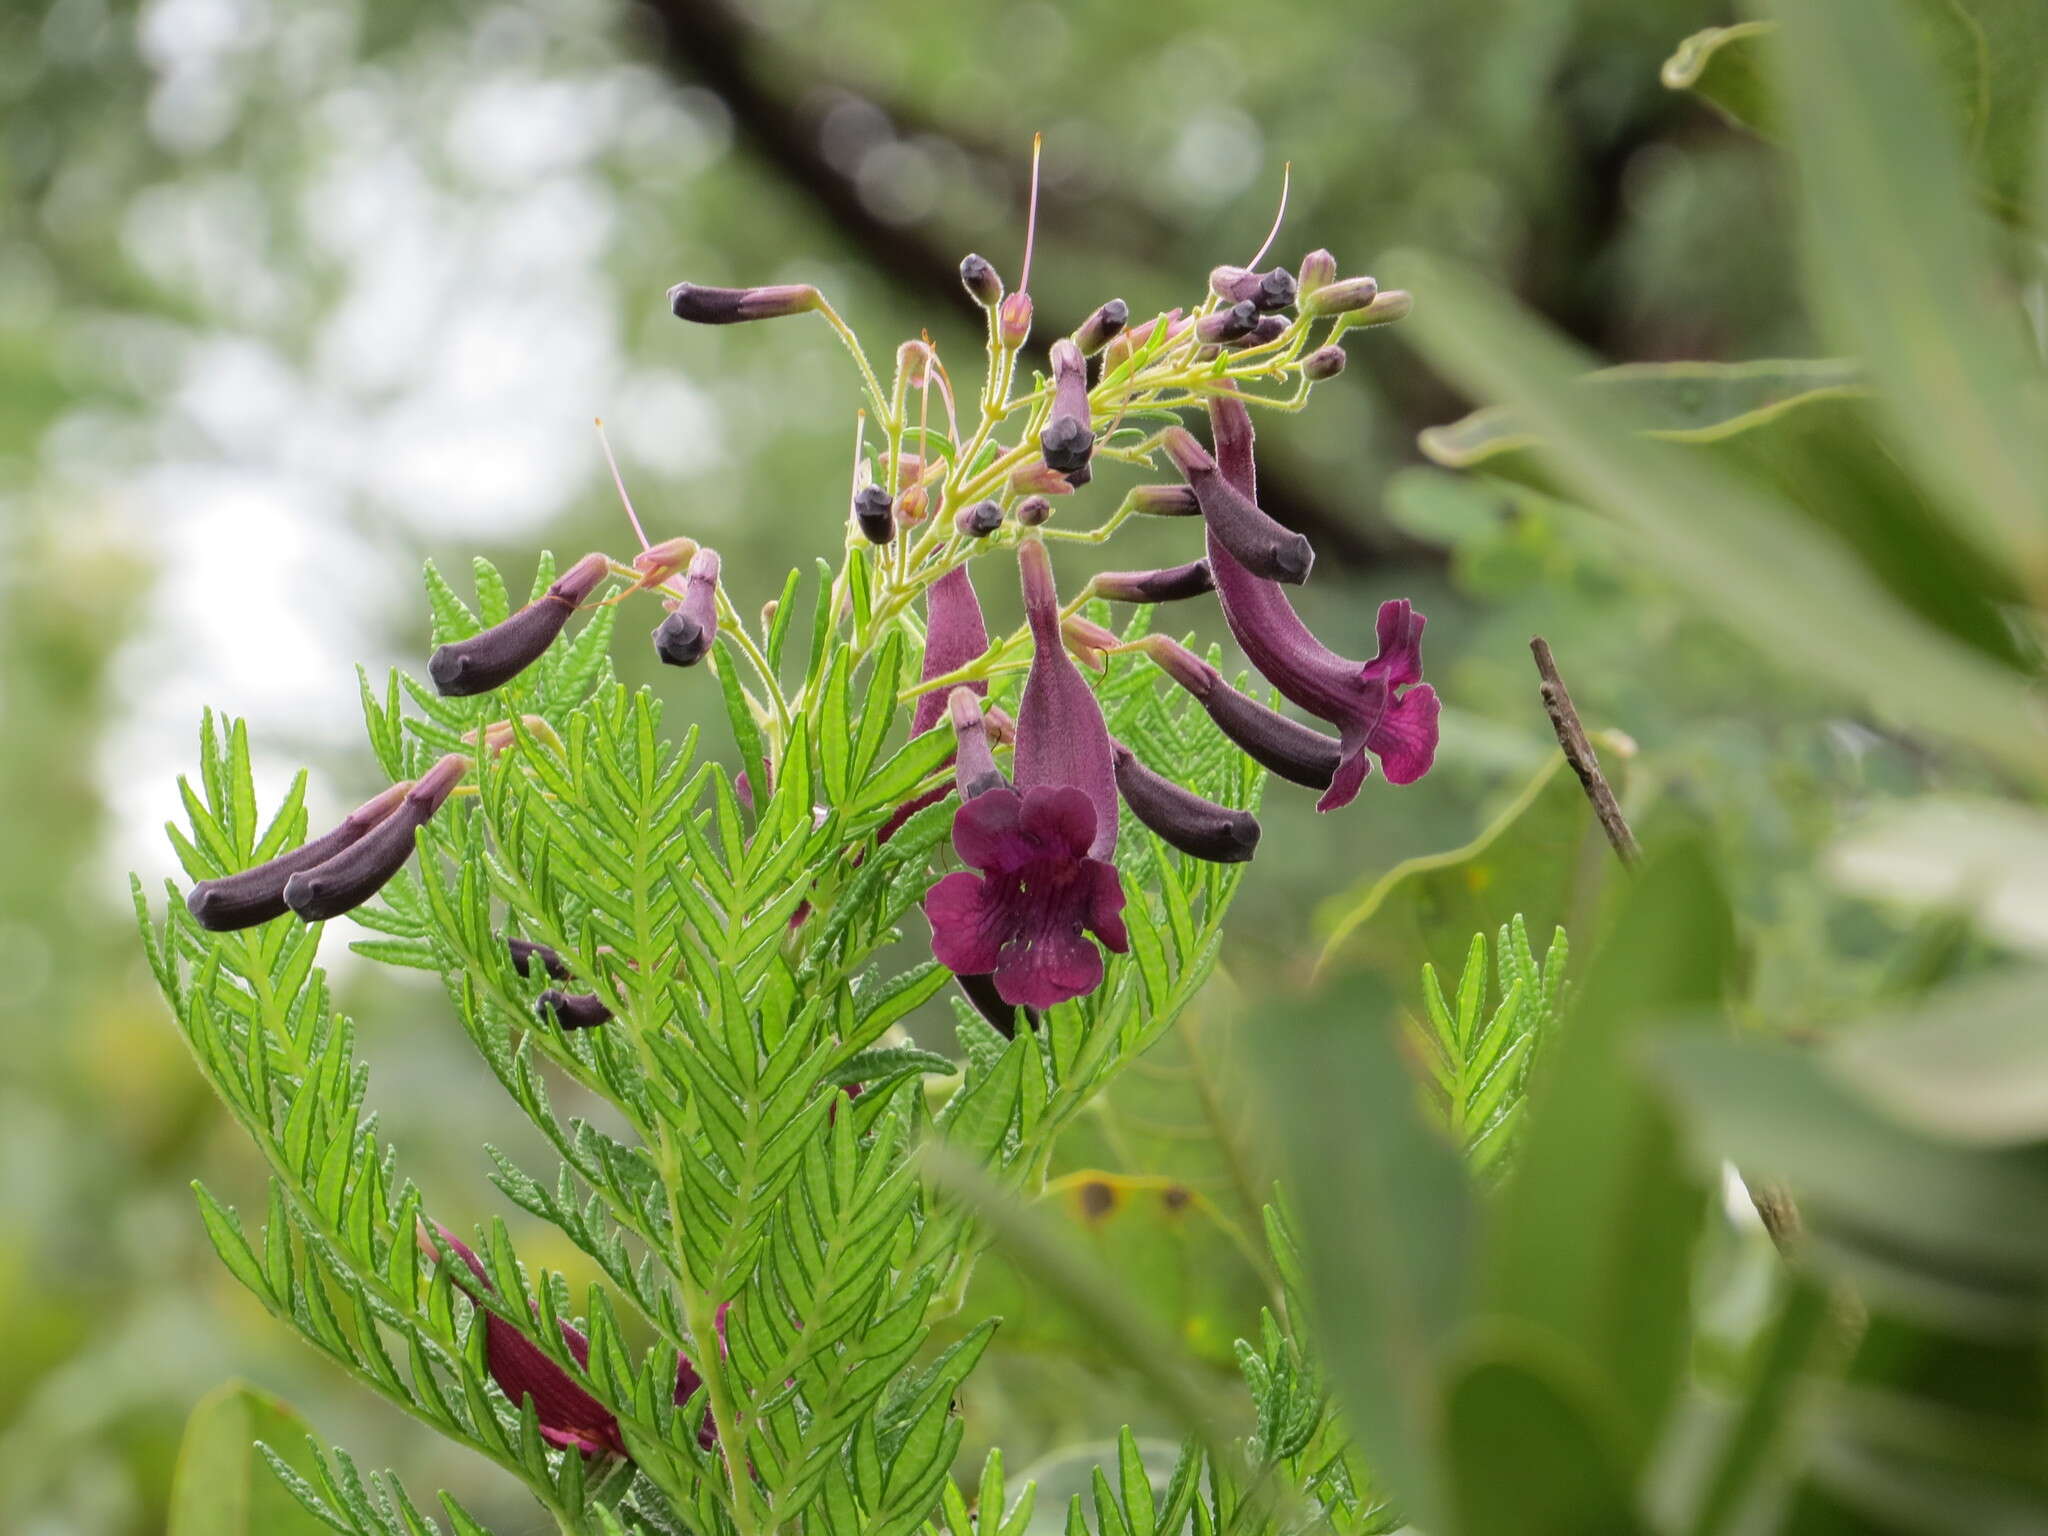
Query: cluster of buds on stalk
{"x": 1025, "y": 923}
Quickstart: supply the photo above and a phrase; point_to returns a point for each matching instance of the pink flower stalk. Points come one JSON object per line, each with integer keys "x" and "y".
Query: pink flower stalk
{"x": 1382, "y": 705}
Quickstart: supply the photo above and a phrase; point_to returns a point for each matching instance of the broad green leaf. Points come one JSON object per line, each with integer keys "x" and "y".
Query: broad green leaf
{"x": 1987, "y": 858}
{"x": 1384, "y": 1221}
{"x": 222, "y": 1485}
{"x": 1900, "y": 268}
{"x": 1744, "y": 554}
{"x": 1593, "y": 1238}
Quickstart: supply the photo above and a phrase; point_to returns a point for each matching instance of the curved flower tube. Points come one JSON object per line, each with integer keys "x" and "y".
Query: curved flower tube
{"x": 1195, "y": 825}
{"x": 1232, "y": 515}
{"x": 495, "y": 656}
{"x": 688, "y": 632}
{"x": 1359, "y": 698}
{"x": 352, "y": 876}
{"x": 1299, "y": 753}
{"x": 256, "y": 895}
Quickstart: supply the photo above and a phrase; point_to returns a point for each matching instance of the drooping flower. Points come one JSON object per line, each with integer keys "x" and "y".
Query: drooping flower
{"x": 1382, "y": 705}
{"x": 980, "y": 519}
{"x": 1169, "y": 585}
{"x": 691, "y": 627}
{"x": 978, "y": 276}
{"x": 347, "y": 879}
{"x": 1233, "y": 516}
{"x": 493, "y": 657}
{"x": 1041, "y": 849}
{"x": 1221, "y": 325}
{"x": 1190, "y": 822}
{"x": 731, "y": 306}
{"x": 874, "y": 514}
{"x": 256, "y": 895}
{"x": 525, "y": 952}
{"x": 1101, "y": 327}
{"x": 573, "y": 1010}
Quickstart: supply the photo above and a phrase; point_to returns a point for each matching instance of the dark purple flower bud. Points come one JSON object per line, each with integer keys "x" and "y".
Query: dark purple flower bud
{"x": 1296, "y": 752}
{"x": 496, "y": 655}
{"x": 1340, "y": 297}
{"x": 1269, "y": 329}
{"x": 954, "y": 634}
{"x": 1318, "y": 270}
{"x": 978, "y": 277}
{"x": 873, "y": 514}
{"x": 1196, "y": 826}
{"x": 1221, "y": 325}
{"x": 1170, "y": 585}
{"x": 730, "y": 306}
{"x": 525, "y": 952}
{"x": 1033, "y": 511}
{"x": 974, "y": 758}
{"x": 351, "y": 877}
{"x": 1360, "y": 699}
{"x": 257, "y": 895}
{"x": 1068, "y": 439}
{"x": 1165, "y": 501}
{"x": 1100, "y": 328}
{"x": 1266, "y": 291}
{"x": 1013, "y": 321}
{"x": 573, "y": 1010}
{"x": 1323, "y": 363}
{"x": 684, "y": 637}
{"x": 979, "y": 520}
{"x": 1234, "y": 519}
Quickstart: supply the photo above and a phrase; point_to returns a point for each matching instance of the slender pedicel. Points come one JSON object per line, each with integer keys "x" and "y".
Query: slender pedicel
{"x": 1323, "y": 363}
{"x": 1068, "y": 439}
{"x": 256, "y": 895}
{"x": 351, "y": 877}
{"x": 1165, "y": 501}
{"x": 979, "y": 520}
{"x": 1100, "y": 328}
{"x": 497, "y": 655}
{"x": 1262, "y": 545}
{"x": 1163, "y": 586}
{"x": 526, "y": 951}
{"x": 1267, "y": 291}
{"x": 874, "y": 515}
{"x": 730, "y": 306}
{"x": 684, "y": 637}
{"x": 978, "y": 276}
{"x": 1221, "y": 325}
{"x": 1298, "y": 753}
{"x": 573, "y": 1010}
{"x": 1196, "y": 826}
{"x": 1340, "y": 297}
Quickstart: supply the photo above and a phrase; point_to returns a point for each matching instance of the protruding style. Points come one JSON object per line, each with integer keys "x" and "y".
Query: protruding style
{"x": 1183, "y": 819}
{"x": 256, "y": 895}
{"x": 731, "y": 306}
{"x": 1234, "y": 519}
{"x": 686, "y": 635}
{"x": 493, "y": 657}
{"x": 351, "y": 877}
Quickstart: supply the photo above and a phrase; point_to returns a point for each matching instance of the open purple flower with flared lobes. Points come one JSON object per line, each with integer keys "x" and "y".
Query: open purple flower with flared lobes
{"x": 1042, "y": 848}
{"x": 1380, "y": 706}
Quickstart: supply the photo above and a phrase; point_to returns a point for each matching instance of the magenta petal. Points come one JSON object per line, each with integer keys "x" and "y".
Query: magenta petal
{"x": 988, "y": 831}
{"x": 1049, "y": 963}
{"x": 1060, "y": 820}
{"x": 1061, "y": 738}
{"x": 968, "y": 924}
{"x": 1106, "y": 906}
{"x": 1399, "y": 662}
{"x": 1351, "y": 777}
{"x": 1405, "y": 738}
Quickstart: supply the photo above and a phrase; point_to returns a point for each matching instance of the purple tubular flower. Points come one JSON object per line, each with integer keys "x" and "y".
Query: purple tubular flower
{"x": 683, "y": 637}
{"x": 495, "y": 656}
{"x": 730, "y": 306}
{"x": 1041, "y": 849}
{"x": 526, "y": 951}
{"x": 874, "y": 515}
{"x": 1163, "y": 586}
{"x": 1230, "y": 324}
{"x": 351, "y": 877}
{"x": 256, "y": 895}
{"x": 1068, "y": 439}
{"x": 1360, "y": 699}
{"x": 954, "y": 634}
{"x": 1340, "y": 297}
{"x": 1165, "y": 501}
{"x": 1269, "y": 329}
{"x": 572, "y": 1010}
{"x": 1233, "y": 517}
{"x": 1298, "y": 753}
{"x": 1100, "y": 328}
{"x": 1198, "y": 827}
{"x": 1265, "y": 291}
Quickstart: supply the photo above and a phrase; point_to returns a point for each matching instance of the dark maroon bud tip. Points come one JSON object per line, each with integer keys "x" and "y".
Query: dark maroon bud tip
{"x": 731, "y": 306}
{"x": 525, "y": 952}
{"x": 978, "y": 277}
{"x": 1076, "y": 478}
{"x": 1100, "y": 328}
{"x": 1269, "y": 329}
{"x": 1066, "y": 444}
{"x": 1170, "y": 585}
{"x": 1323, "y": 363}
{"x": 680, "y": 640}
{"x": 1265, "y": 291}
{"x": 871, "y": 510}
{"x": 1196, "y": 826}
{"x": 573, "y": 1010}
{"x": 979, "y": 520}
{"x": 351, "y": 877}
{"x": 1165, "y": 501}
{"x": 1223, "y": 325}
{"x": 256, "y": 895}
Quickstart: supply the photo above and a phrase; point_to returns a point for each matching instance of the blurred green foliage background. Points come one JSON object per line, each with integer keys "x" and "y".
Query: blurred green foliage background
{"x": 294, "y": 293}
